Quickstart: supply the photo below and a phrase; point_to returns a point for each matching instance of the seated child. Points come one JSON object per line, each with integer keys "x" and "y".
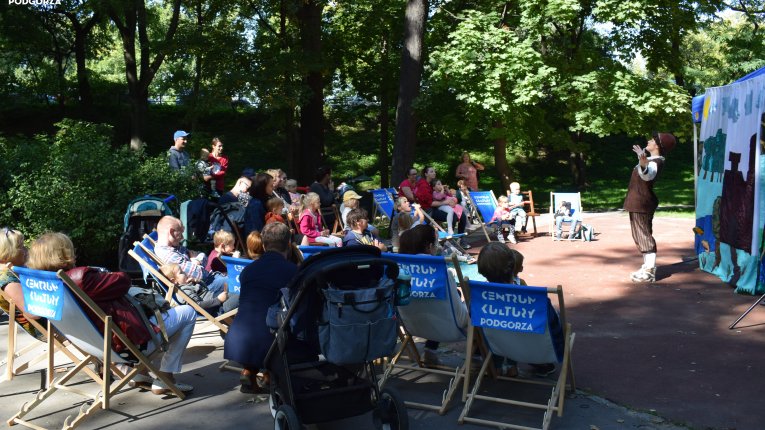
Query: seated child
{"x": 516, "y": 206}
{"x": 194, "y": 288}
{"x": 224, "y": 244}
{"x": 254, "y": 245}
{"x": 450, "y": 206}
{"x": 275, "y": 209}
{"x": 406, "y": 216}
{"x": 463, "y": 196}
{"x": 310, "y": 224}
{"x": 564, "y": 214}
{"x": 518, "y": 257}
{"x": 358, "y": 234}
{"x": 503, "y": 218}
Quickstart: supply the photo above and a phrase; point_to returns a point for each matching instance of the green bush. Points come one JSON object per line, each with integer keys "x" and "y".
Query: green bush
{"x": 76, "y": 182}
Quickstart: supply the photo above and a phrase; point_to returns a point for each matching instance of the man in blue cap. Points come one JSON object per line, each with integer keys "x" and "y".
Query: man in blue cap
{"x": 177, "y": 155}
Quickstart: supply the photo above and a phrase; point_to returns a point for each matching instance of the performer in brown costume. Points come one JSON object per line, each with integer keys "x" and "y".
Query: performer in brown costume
{"x": 641, "y": 201}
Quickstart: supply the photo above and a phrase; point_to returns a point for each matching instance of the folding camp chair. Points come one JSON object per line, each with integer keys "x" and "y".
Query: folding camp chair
{"x": 74, "y": 324}
{"x": 485, "y": 203}
{"x": 576, "y": 208}
{"x": 149, "y": 261}
{"x": 293, "y": 224}
{"x": 431, "y": 314}
{"x": 19, "y": 360}
{"x": 518, "y": 322}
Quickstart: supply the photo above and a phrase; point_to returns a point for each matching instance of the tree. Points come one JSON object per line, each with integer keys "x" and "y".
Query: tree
{"x": 132, "y": 18}
{"x": 409, "y": 88}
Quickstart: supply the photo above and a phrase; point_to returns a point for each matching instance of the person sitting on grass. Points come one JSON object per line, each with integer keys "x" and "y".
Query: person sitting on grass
{"x": 358, "y": 220}
{"x": 195, "y": 289}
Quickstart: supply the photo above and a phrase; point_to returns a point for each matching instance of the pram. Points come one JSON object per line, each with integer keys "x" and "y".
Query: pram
{"x": 141, "y": 217}
{"x": 305, "y": 389}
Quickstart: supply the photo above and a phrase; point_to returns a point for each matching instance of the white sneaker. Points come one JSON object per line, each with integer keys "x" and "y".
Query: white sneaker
{"x": 158, "y": 387}
{"x": 511, "y": 238}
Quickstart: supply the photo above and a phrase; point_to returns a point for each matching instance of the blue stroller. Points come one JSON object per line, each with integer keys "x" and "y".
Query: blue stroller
{"x": 340, "y": 304}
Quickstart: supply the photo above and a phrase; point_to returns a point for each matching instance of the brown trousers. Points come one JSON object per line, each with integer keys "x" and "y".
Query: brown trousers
{"x": 642, "y": 231}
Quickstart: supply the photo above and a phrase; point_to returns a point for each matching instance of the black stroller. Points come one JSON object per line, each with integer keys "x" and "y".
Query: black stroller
{"x": 340, "y": 304}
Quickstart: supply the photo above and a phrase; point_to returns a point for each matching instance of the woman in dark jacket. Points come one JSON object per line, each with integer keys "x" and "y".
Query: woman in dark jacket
{"x": 249, "y": 338}
{"x": 55, "y": 251}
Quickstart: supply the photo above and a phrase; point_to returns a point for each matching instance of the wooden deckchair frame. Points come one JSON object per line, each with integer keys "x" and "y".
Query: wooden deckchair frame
{"x": 102, "y": 398}
{"x": 173, "y": 291}
{"x": 458, "y": 373}
{"x": 531, "y": 212}
{"x": 56, "y": 343}
{"x": 560, "y": 386}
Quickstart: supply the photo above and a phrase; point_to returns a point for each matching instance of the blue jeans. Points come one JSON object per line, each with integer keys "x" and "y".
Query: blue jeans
{"x": 575, "y": 220}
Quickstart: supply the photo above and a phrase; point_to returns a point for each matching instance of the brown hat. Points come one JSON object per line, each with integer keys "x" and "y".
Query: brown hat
{"x": 666, "y": 142}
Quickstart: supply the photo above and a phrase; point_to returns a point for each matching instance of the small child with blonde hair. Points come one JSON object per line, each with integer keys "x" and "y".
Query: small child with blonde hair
{"x": 224, "y": 244}
{"x": 310, "y": 224}
{"x": 194, "y": 288}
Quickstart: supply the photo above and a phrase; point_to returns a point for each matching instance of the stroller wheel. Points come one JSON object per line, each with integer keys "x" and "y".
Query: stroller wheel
{"x": 286, "y": 418}
{"x": 274, "y": 401}
{"x": 391, "y": 412}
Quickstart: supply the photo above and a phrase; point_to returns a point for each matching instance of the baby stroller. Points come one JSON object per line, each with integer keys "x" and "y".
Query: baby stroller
{"x": 141, "y": 217}
{"x": 341, "y": 304}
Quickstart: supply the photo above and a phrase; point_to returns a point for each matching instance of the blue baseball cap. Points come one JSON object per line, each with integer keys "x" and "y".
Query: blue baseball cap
{"x": 180, "y": 133}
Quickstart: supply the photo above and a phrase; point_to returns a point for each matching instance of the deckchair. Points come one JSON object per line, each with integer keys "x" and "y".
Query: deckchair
{"x": 531, "y": 212}
{"x": 29, "y": 355}
{"x": 485, "y": 203}
{"x": 384, "y": 203}
{"x": 431, "y": 314}
{"x": 152, "y": 263}
{"x": 307, "y": 251}
{"x": 518, "y": 322}
{"x": 73, "y": 323}
{"x": 555, "y": 201}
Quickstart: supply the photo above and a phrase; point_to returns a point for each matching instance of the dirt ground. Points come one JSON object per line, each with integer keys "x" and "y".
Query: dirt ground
{"x": 665, "y": 347}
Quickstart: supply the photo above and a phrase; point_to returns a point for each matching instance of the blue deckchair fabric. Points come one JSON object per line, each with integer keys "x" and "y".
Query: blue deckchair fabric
{"x": 311, "y": 250}
{"x": 518, "y": 322}
{"x": 234, "y": 267}
{"x": 486, "y": 204}
{"x": 383, "y": 201}
{"x": 43, "y": 293}
{"x": 73, "y": 322}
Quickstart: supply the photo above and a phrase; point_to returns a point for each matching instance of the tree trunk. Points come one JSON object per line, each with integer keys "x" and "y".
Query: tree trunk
{"x": 409, "y": 88}
{"x": 383, "y": 158}
{"x": 578, "y": 169}
{"x": 139, "y": 112}
{"x": 83, "y": 83}
{"x": 311, "y": 154}
{"x": 500, "y": 156}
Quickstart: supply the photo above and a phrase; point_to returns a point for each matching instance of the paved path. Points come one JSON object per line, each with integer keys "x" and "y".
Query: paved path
{"x": 662, "y": 351}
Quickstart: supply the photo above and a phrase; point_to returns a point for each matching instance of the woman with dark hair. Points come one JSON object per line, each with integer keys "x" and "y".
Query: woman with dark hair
{"x": 262, "y": 189}
{"x": 424, "y": 193}
{"x": 421, "y": 240}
